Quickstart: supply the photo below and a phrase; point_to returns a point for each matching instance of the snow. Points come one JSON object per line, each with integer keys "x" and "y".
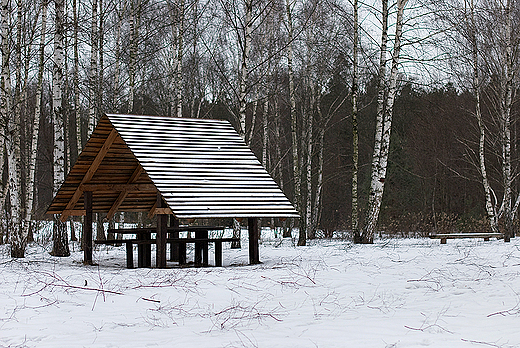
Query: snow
{"x": 394, "y": 293}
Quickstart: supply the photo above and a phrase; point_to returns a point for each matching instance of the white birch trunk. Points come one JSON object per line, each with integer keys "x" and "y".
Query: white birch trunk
{"x": 117, "y": 72}
{"x": 490, "y": 208}
{"x": 265, "y": 133}
{"x": 33, "y": 151}
{"x": 178, "y": 63}
{"x": 18, "y": 237}
{"x": 101, "y": 67}
{"x": 249, "y": 136}
{"x": 244, "y": 67}
{"x": 5, "y": 90}
{"x": 506, "y": 103}
{"x": 60, "y": 238}
{"x": 133, "y": 54}
{"x": 316, "y": 214}
{"x": 76, "y": 76}
{"x": 309, "y": 233}
{"x": 355, "y": 135}
{"x": 93, "y": 95}
{"x": 243, "y": 91}
{"x": 294, "y": 123}
{"x": 378, "y": 178}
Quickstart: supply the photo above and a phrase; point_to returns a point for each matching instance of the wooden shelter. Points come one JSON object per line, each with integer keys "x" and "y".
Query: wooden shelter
{"x": 188, "y": 168}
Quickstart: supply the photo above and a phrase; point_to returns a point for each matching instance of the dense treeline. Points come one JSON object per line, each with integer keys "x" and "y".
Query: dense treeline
{"x": 440, "y": 82}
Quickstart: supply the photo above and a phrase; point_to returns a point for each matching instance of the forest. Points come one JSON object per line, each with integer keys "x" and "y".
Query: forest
{"x": 375, "y": 118}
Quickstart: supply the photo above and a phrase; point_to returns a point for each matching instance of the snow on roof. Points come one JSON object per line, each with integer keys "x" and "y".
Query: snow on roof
{"x": 202, "y": 168}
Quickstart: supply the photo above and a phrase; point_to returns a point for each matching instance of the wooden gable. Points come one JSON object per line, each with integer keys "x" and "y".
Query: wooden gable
{"x": 202, "y": 169}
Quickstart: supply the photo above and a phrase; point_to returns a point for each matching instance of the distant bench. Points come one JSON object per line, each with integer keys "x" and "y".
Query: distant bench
{"x": 144, "y": 241}
{"x": 445, "y": 236}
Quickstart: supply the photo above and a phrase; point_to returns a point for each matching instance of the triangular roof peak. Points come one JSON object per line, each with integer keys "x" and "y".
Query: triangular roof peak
{"x": 202, "y": 168}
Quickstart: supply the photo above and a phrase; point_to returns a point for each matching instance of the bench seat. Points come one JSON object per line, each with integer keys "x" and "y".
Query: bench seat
{"x": 485, "y": 235}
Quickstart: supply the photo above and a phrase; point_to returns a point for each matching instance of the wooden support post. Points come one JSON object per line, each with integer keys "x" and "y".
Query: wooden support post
{"x": 129, "y": 255}
{"x": 443, "y": 240}
{"x": 254, "y": 233}
{"x": 486, "y": 239}
{"x": 218, "y": 253}
{"x": 87, "y": 228}
{"x": 199, "y": 246}
{"x": 162, "y": 225}
{"x": 182, "y": 253}
{"x": 205, "y": 248}
{"x": 141, "y": 253}
{"x": 174, "y": 247}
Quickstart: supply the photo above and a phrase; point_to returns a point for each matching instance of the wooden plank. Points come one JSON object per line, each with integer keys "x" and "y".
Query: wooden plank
{"x": 75, "y": 212}
{"x": 119, "y": 187}
{"x": 91, "y": 171}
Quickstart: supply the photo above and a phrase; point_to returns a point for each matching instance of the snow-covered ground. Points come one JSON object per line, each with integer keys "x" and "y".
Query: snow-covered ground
{"x": 394, "y": 293}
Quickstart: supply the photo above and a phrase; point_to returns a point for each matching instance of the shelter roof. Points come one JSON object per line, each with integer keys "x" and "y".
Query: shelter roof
{"x": 202, "y": 168}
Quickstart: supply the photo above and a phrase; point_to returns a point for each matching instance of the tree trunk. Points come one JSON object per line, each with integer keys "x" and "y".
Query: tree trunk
{"x": 33, "y": 150}
{"x": 355, "y": 135}
{"x": 60, "y": 238}
{"x": 180, "y": 37}
{"x": 294, "y": 121}
{"x": 76, "y": 113}
{"x": 117, "y": 72}
{"x": 101, "y": 72}
{"x": 18, "y": 237}
{"x": 382, "y": 144}
{"x": 242, "y": 101}
{"x": 93, "y": 86}
{"x": 490, "y": 208}
{"x": 134, "y": 33}
{"x": 506, "y": 103}
{"x": 5, "y": 103}
{"x": 265, "y": 133}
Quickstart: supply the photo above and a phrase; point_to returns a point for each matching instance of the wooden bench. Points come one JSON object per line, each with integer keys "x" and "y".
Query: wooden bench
{"x": 144, "y": 241}
{"x": 445, "y": 236}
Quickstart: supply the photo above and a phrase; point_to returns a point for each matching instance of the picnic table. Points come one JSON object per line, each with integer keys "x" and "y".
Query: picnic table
{"x": 143, "y": 239}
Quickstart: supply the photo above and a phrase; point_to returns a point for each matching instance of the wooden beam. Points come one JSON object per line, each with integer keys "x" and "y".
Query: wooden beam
{"x": 90, "y": 172}
{"x": 129, "y": 187}
{"x": 119, "y": 200}
{"x": 75, "y": 212}
{"x": 165, "y": 211}
{"x": 151, "y": 213}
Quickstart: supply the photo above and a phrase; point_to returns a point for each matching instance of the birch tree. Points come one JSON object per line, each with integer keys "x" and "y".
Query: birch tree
{"x": 5, "y": 90}
{"x": 292, "y": 101}
{"x": 93, "y": 77}
{"x": 33, "y": 150}
{"x": 18, "y": 236}
{"x": 59, "y": 233}
{"x": 355, "y": 135}
{"x": 490, "y": 208}
{"x": 385, "y": 104}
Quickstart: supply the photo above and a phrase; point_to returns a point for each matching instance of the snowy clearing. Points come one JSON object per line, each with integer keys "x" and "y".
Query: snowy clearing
{"x": 395, "y": 293}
